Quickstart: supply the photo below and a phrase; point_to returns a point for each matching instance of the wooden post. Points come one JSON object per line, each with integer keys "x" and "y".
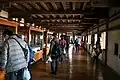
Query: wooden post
{"x": 16, "y": 29}
{"x": 106, "y": 50}
{"x": 28, "y": 35}
{"x": 45, "y": 48}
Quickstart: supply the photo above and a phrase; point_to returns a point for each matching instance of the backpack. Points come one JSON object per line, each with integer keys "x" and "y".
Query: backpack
{"x": 76, "y": 42}
{"x": 56, "y": 50}
{"x": 31, "y": 55}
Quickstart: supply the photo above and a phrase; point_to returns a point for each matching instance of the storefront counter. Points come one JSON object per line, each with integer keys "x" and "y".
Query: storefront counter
{"x": 38, "y": 55}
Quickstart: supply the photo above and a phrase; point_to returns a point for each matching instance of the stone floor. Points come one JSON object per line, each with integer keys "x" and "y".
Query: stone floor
{"x": 76, "y": 67}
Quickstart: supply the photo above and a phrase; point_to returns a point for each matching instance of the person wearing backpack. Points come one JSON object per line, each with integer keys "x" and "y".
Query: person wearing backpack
{"x": 54, "y": 53}
{"x": 13, "y": 59}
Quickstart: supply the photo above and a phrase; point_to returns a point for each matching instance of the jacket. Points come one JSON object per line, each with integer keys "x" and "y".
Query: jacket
{"x": 12, "y": 57}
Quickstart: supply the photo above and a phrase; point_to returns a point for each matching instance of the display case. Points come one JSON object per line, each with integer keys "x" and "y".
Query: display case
{"x": 34, "y": 37}
{"x": 36, "y": 42}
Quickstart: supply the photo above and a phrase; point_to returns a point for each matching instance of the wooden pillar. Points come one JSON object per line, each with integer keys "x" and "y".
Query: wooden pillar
{"x": 45, "y": 48}
{"x": 34, "y": 37}
{"x": 28, "y": 35}
{"x": 106, "y": 50}
{"x": 98, "y": 37}
{"x": 16, "y": 29}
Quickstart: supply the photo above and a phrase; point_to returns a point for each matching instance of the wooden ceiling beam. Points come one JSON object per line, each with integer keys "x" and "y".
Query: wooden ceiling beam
{"x": 34, "y": 16}
{"x": 47, "y": 16}
{"x": 64, "y": 5}
{"x": 67, "y": 30}
{"x": 44, "y": 6}
{"x": 22, "y": 1}
{"x": 58, "y": 19}
{"x": 35, "y": 5}
{"x": 40, "y": 16}
{"x": 26, "y": 5}
{"x": 67, "y": 27}
{"x": 64, "y": 24}
{"x": 18, "y": 6}
{"x": 53, "y": 16}
{"x": 54, "y": 5}
{"x": 84, "y": 6}
{"x": 73, "y": 6}
{"x": 69, "y": 12}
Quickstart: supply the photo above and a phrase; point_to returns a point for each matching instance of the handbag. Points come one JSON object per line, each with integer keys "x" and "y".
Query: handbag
{"x": 64, "y": 52}
{"x": 26, "y": 74}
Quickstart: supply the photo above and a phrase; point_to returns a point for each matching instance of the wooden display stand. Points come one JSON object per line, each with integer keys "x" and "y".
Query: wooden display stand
{"x": 38, "y": 55}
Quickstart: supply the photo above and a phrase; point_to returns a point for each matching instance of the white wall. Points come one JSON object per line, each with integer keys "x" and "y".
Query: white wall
{"x": 113, "y": 60}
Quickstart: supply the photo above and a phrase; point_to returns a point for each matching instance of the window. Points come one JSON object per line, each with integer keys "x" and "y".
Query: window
{"x": 83, "y": 38}
{"x": 95, "y": 38}
{"x": 103, "y": 40}
{"x": 89, "y": 39}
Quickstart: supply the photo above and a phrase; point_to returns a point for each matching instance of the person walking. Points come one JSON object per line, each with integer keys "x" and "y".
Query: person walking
{"x": 54, "y": 53}
{"x": 97, "y": 51}
{"x": 67, "y": 46}
{"x": 12, "y": 59}
{"x": 63, "y": 47}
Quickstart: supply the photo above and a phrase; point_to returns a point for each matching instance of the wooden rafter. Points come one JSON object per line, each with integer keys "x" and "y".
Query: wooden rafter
{"x": 54, "y": 5}
{"x": 47, "y": 16}
{"x": 34, "y": 16}
{"x": 66, "y": 23}
{"x": 35, "y": 5}
{"x": 84, "y": 5}
{"x": 18, "y": 6}
{"x": 22, "y": 1}
{"x": 73, "y": 5}
{"x": 40, "y": 16}
{"x": 64, "y": 5}
{"x": 53, "y": 12}
{"x": 54, "y": 16}
{"x": 26, "y": 5}
{"x": 77, "y": 19}
{"x": 44, "y": 6}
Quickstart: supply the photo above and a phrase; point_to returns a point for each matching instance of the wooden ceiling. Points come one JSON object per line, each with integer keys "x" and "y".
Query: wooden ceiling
{"x": 57, "y": 15}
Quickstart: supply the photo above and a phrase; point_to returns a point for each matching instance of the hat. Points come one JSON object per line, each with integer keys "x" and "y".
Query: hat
{"x": 7, "y": 32}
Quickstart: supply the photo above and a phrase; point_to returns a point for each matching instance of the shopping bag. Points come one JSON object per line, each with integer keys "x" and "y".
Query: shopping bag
{"x": 26, "y": 75}
{"x": 64, "y": 52}
{"x": 48, "y": 59}
{"x": 93, "y": 53}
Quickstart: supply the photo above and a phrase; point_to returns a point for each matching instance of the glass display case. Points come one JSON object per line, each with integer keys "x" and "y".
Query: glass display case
{"x": 36, "y": 40}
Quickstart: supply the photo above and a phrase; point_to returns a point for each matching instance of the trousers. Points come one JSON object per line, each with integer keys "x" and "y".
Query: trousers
{"x": 16, "y": 75}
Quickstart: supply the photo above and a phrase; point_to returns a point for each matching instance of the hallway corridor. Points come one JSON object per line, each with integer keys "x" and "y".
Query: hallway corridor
{"x": 77, "y": 67}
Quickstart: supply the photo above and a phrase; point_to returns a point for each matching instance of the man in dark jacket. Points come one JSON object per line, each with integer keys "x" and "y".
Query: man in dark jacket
{"x": 54, "y": 53}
